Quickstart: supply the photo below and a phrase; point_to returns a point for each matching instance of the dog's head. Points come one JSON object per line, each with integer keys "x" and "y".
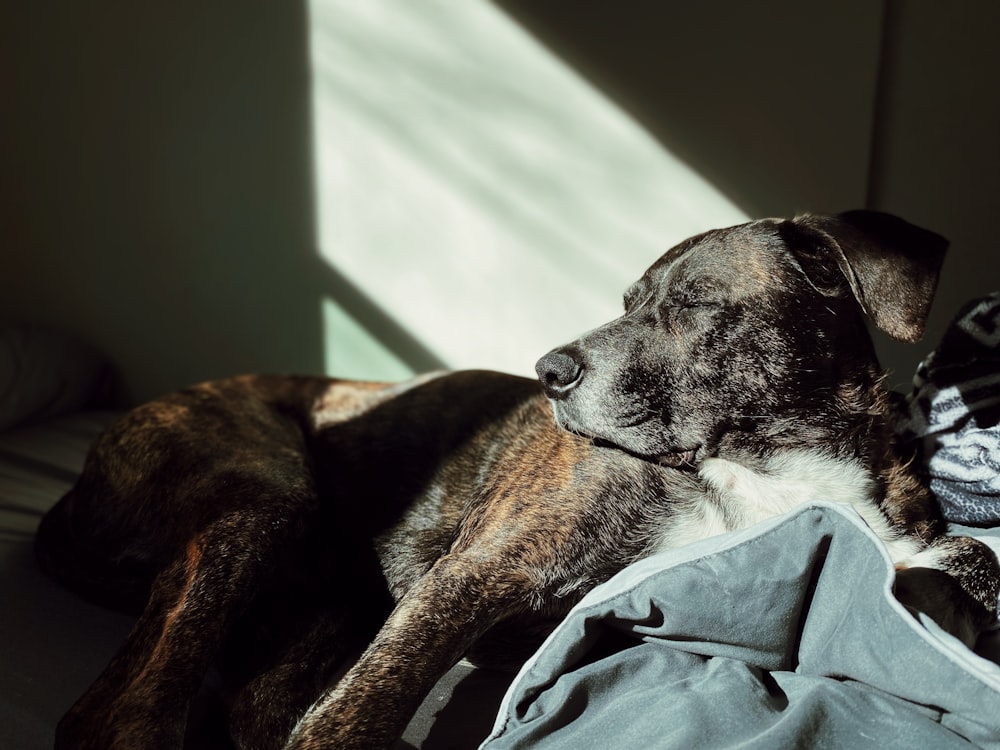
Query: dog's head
{"x": 744, "y": 331}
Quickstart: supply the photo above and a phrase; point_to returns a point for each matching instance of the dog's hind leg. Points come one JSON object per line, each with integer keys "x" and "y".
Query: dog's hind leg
{"x": 956, "y": 581}
{"x": 141, "y": 699}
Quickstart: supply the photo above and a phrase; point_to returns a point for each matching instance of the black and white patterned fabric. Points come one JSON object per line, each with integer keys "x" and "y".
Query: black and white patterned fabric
{"x": 954, "y": 410}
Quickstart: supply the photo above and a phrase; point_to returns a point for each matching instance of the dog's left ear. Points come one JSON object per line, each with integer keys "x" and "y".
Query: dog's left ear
{"x": 891, "y": 266}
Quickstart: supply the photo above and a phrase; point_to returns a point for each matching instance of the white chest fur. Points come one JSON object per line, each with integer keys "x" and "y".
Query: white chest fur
{"x": 739, "y": 496}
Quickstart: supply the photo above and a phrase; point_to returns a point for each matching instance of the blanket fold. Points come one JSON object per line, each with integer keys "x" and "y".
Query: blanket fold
{"x": 783, "y": 635}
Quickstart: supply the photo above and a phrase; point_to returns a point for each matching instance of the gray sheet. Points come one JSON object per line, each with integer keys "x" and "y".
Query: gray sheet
{"x": 51, "y": 643}
{"x": 784, "y": 635}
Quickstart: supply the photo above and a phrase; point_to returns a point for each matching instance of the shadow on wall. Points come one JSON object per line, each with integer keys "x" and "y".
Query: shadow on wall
{"x": 770, "y": 103}
{"x": 167, "y": 177}
{"x": 160, "y": 196}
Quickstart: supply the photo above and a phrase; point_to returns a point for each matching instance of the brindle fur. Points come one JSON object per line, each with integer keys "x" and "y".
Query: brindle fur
{"x": 271, "y": 525}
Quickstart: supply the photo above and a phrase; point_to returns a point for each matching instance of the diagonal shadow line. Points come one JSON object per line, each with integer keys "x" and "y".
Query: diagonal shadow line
{"x": 727, "y": 122}
{"x": 377, "y": 322}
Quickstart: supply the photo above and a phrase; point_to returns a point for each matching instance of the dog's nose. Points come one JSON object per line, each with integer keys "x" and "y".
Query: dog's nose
{"x": 559, "y": 373}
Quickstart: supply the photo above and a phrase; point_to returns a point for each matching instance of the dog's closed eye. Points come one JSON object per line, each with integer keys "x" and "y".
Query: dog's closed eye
{"x": 695, "y": 305}
{"x": 635, "y": 294}
{"x": 694, "y": 301}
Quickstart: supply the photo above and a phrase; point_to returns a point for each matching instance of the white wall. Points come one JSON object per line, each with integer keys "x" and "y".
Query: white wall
{"x": 478, "y": 188}
{"x": 380, "y": 187}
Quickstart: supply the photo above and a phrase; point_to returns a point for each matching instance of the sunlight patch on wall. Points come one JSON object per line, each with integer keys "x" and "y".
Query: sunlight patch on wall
{"x": 352, "y": 351}
{"x": 487, "y": 197}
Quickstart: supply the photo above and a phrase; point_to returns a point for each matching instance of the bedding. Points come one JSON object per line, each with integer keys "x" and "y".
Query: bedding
{"x": 50, "y": 386}
{"x": 783, "y": 635}
{"x": 53, "y": 643}
{"x": 44, "y": 373}
{"x": 954, "y": 410}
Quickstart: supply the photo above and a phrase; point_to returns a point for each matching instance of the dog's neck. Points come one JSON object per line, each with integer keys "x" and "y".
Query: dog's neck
{"x": 848, "y": 456}
{"x": 744, "y": 496}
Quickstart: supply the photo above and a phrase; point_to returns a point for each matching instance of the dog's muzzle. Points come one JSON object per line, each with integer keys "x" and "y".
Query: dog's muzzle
{"x": 559, "y": 372}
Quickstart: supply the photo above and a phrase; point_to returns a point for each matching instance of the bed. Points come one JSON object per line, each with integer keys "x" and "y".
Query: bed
{"x": 796, "y": 642}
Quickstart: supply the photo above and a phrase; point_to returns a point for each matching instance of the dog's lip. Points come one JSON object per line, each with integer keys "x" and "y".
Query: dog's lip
{"x": 684, "y": 458}
{"x": 675, "y": 458}
{"x": 678, "y": 459}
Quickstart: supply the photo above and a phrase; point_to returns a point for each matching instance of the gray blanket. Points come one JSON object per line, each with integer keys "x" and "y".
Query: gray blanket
{"x": 783, "y": 635}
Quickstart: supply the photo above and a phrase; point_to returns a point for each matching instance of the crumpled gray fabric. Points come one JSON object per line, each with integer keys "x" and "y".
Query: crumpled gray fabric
{"x": 954, "y": 411}
{"x": 783, "y": 635}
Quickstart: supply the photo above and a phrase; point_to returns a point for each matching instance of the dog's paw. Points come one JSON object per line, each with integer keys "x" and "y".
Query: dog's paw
{"x": 956, "y": 582}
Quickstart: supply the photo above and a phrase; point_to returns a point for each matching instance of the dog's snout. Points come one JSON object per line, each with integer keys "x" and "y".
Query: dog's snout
{"x": 559, "y": 371}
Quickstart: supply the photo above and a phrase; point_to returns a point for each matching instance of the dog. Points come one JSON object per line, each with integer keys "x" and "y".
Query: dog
{"x": 268, "y": 526}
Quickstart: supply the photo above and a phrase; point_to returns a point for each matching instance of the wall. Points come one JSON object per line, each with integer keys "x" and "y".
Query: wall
{"x": 157, "y": 182}
{"x": 938, "y": 144}
{"x": 377, "y": 188}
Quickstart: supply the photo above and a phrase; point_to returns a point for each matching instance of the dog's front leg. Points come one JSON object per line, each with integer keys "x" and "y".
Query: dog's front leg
{"x": 427, "y": 633}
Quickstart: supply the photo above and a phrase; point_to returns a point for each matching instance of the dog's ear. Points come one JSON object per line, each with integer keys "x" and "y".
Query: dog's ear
{"x": 890, "y": 265}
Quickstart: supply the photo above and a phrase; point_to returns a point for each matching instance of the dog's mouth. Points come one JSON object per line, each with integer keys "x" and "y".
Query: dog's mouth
{"x": 682, "y": 457}
{"x": 676, "y": 459}
{"x": 679, "y": 459}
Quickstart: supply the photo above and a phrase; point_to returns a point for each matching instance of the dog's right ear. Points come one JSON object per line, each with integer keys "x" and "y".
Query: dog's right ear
{"x": 890, "y": 266}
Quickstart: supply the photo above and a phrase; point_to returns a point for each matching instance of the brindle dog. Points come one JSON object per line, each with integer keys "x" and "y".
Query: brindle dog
{"x": 270, "y": 525}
